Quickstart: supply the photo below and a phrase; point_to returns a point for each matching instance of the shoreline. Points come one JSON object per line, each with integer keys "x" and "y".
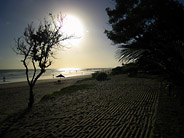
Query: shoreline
{"x": 12, "y": 76}
{"x": 8, "y": 84}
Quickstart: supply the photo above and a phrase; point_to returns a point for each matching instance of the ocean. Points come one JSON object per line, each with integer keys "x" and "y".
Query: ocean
{"x": 18, "y": 75}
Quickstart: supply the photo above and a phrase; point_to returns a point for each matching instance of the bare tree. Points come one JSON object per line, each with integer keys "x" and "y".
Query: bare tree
{"x": 37, "y": 48}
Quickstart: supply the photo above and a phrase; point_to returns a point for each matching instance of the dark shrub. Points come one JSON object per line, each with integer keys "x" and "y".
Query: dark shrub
{"x": 130, "y": 69}
{"x": 100, "y": 76}
{"x": 117, "y": 70}
{"x": 94, "y": 75}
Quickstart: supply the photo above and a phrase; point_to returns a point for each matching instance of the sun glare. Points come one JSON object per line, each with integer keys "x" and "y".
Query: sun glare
{"x": 72, "y": 26}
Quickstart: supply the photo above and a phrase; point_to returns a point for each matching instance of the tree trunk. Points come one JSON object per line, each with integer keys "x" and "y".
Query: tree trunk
{"x": 31, "y": 97}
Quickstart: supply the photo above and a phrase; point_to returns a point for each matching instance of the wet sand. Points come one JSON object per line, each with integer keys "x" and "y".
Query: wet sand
{"x": 119, "y": 107}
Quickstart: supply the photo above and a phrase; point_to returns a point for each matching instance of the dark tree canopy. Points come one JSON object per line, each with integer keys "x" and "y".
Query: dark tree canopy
{"x": 149, "y": 31}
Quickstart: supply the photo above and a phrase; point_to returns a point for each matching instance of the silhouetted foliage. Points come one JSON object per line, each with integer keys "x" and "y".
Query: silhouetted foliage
{"x": 37, "y": 47}
{"x": 131, "y": 69}
{"x": 95, "y": 74}
{"x": 149, "y": 32}
{"x": 100, "y": 76}
{"x": 117, "y": 70}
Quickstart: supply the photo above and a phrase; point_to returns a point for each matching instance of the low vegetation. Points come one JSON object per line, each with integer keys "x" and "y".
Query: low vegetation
{"x": 86, "y": 79}
{"x": 68, "y": 90}
{"x": 99, "y": 76}
{"x": 130, "y": 69}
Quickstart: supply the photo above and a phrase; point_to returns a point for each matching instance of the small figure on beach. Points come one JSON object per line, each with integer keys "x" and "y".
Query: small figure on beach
{"x": 4, "y": 79}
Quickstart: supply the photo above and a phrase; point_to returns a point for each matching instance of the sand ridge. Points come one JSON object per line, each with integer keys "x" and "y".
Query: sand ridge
{"x": 119, "y": 107}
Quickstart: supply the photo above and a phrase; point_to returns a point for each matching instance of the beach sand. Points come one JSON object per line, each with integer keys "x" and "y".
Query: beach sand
{"x": 14, "y": 96}
{"x": 119, "y": 107}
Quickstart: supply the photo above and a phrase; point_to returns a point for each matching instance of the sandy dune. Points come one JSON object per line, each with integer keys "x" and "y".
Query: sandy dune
{"x": 119, "y": 107}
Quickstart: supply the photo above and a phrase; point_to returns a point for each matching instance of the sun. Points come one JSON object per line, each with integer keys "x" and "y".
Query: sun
{"x": 72, "y": 26}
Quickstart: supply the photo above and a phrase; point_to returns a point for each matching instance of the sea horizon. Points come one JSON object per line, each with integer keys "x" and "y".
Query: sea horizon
{"x": 18, "y": 75}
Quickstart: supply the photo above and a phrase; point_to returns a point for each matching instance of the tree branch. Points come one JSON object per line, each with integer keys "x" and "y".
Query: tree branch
{"x": 34, "y": 71}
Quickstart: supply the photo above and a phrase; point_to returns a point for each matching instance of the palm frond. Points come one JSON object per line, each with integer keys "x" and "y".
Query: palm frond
{"x": 128, "y": 55}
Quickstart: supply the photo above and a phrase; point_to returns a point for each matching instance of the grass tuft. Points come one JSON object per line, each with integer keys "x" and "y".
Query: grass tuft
{"x": 67, "y": 90}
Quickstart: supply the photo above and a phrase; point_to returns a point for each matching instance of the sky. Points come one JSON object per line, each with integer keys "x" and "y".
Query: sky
{"x": 93, "y": 50}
